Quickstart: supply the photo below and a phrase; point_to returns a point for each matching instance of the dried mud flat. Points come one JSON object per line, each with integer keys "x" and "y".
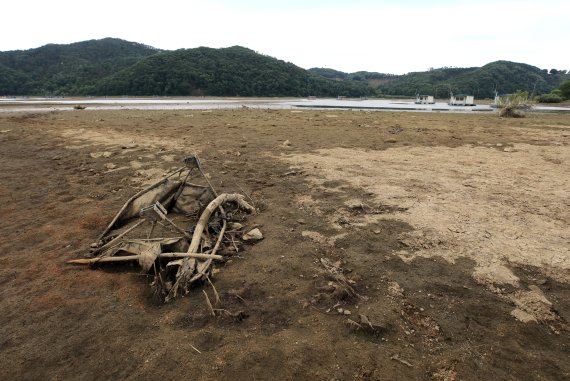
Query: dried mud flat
{"x": 451, "y": 229}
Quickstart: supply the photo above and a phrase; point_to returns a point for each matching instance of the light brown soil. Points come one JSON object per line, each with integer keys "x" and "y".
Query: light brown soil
{"x": 452, "y": 229}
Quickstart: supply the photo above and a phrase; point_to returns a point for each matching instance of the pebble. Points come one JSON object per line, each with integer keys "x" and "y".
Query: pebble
{"x": 253, "y": 235}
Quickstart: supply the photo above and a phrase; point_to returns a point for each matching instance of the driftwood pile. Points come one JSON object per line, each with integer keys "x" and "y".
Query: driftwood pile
{"x": 175, "y": 230}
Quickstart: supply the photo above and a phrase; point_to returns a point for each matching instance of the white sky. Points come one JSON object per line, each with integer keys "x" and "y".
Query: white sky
{"x": 351, "y": 35}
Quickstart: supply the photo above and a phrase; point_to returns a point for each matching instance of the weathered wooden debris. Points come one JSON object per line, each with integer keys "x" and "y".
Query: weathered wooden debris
{"x": 174, "y": 229}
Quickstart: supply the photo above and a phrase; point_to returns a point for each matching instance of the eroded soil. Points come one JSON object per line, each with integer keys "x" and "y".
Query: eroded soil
{"x": 452, "y": 230}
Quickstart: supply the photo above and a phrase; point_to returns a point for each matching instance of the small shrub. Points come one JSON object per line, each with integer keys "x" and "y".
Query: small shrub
{"x": 549, "y": 98}
{"x": 514, "y": 105}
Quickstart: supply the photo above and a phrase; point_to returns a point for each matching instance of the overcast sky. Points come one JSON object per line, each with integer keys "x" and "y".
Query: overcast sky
{"x": 384, "y": 36}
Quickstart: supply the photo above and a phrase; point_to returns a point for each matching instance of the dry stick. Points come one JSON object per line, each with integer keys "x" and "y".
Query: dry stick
{"x": 215, "y": 291}
{"x": 207, "y": 180}
{"x": 401, "y": 360}
{"x": 126, "y": 258}
{"x": 209, "y": 304}
{"x": 150, "y": 187}
{"x": 153, "y": 224}
{"x": 192, "y": 255}
{"x": 196, "y": 349}
{"x": 201, "y": 225}
{"x": 244, "y": 192}
{"x": 234, "y": 243}
{"x": 177, "y": 228}
{"x": 117, "y": 238}
{"x": 144, "y": 240}
{"x": 214, "y": 250}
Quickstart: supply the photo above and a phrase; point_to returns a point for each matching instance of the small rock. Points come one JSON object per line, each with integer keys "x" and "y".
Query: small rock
{"x": 129, "y": 146}
{"x": 301, "y": 221}
{"x": 110, "y": 166}
{"x": 499, "y": 144}
{"x": 96, "y": 155}
{"x": 236, "y": 226}
{"x": 347, "y": 312}
{"x": 286, "y": 143}
{"x": 253, "y": 235}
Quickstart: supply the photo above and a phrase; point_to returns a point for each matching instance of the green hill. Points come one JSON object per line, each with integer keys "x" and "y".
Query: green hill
{"x": 234, "y": 71}
{"x": 66, "y": 69}
{"x": 117, "y": 67}
{"x": 504, "y": 76}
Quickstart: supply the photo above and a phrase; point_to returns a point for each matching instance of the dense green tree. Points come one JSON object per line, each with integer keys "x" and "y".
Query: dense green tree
{"x": 565, "y": 89}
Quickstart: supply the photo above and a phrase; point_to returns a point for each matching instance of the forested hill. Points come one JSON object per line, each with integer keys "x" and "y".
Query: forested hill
{"x": 66, "y": 69}
{"x": 117, "y": 67}
{"x": 504, "y": 76}
{"x": 234, "y": 71}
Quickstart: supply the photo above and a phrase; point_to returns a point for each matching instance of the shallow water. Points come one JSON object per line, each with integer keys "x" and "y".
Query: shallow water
{"x": 62, "y": 104}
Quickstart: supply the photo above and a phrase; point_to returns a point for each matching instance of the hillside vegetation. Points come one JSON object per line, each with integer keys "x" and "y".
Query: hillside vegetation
{"x": 117, "y": 67}
{"x": 504, "y": 76}
{"x": 234, "y": 71}
{"x": 66, "y": 69}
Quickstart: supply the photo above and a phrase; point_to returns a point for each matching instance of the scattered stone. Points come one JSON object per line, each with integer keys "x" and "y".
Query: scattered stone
{"x": 253, "y": 235}
{"x": 129, "y": 146}
{"x": 110, "y": 166}
{"x": 301, "y": 221}
{"x": 395, "y": 290}
{"x": 236, "y": 226}
{"x": 286, "y": 143}
{"x": 96, "y": 155}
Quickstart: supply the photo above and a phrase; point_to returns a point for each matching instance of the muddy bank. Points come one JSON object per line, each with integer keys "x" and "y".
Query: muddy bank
{"x": 449, "y": 228}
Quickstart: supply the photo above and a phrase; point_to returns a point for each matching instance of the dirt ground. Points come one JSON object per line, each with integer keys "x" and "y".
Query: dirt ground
{"x": 452, "y": 230}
